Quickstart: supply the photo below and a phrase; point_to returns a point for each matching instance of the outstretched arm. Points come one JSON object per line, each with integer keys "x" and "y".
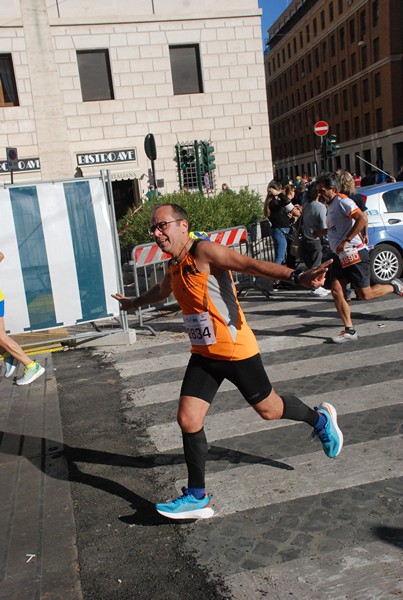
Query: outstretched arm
{"x": 155, "y": 294}
{"x": 212, "y": 257}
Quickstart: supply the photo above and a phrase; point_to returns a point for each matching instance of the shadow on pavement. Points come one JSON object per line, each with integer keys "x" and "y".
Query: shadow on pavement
{"x": 38, "y": 449}
{"x": 392, "y": 535}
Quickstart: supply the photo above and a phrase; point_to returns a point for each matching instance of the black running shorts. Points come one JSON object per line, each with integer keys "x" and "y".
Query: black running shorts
{"x": 358, "y": 274}
{"x": 204, "y": 376}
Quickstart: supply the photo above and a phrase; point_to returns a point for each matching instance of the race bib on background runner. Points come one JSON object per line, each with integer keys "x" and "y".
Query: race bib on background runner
{"x": 200, "y": 329}
{"x": 349, "y": 256}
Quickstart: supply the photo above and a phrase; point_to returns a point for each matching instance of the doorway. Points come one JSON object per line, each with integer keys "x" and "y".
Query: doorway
{"x": 126, "y": 195}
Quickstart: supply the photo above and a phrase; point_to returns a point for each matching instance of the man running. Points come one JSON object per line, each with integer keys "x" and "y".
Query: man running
{"x": 351, "y": 263}
{"x": 223, "y": 346}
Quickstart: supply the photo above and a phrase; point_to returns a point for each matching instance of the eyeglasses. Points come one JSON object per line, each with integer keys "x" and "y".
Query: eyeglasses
{"x": 161, "y": 226}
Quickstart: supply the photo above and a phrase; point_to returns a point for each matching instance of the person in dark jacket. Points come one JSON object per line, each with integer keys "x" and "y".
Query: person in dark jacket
{"x": 280, "y": 210}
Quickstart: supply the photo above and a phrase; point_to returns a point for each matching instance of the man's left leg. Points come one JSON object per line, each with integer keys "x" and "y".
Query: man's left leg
{"x": 375, "y": 291}
{"x": 323, "y": 419}
{"x": 252, "y": 381}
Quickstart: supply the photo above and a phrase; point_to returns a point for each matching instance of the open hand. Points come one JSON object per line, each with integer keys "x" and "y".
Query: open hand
{"x": 314, "y": 278}
{"x": 125, "y": 302}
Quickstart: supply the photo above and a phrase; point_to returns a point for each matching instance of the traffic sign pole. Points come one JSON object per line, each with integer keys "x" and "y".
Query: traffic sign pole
{"x": 321, "y": 128}
{"x": 12, "y": 161}
{"x": 326, "y": 160}
{"x": 151, "y": 152}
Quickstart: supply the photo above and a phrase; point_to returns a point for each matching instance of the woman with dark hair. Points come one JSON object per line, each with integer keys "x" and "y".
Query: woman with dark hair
{"x": 280, "y": 210}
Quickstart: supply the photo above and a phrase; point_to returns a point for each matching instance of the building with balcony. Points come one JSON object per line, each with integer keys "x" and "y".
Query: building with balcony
{"x": 339, "y": 61}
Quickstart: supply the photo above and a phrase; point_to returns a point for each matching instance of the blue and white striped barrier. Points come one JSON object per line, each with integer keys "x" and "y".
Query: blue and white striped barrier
{"x": 60, "y": 267}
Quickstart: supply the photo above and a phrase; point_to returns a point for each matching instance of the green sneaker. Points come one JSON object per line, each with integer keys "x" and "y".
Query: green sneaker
{"x": 31, "y": 372}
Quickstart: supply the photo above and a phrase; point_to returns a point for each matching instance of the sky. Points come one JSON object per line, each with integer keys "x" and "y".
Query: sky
{"x": 272, "y": 9}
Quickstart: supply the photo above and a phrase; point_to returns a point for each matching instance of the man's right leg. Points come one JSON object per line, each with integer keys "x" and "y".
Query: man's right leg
{"x": 194, "y": 502}
{"x": 191, "y": 414}
{"x": 342, "y": 307}
{"x": 198, "y": 390}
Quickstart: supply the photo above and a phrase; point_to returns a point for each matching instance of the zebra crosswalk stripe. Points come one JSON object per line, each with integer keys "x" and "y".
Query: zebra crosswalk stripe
{"x": 163, "y": 392}
{"x": 252, "y": 486}
{"x": 245, "y": 421}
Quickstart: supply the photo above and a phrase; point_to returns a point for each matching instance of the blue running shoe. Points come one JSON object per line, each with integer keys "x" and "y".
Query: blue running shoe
{"x": 186, "y": 507}
{"x": 330, "y": 435}
{"x": 10, "y": 364}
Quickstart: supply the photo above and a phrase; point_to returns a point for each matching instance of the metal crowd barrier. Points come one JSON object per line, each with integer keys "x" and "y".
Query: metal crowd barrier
{"x": 150, "y": 265}
{"x": 261, "y": 247}
{"x": 261, "y": 243}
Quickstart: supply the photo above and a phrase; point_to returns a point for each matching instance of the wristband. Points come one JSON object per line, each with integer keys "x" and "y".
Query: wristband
{"x": 294, "y": 276}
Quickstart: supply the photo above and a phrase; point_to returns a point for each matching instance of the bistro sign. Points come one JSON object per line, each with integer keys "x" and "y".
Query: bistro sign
{"x": 110, "y": 156}
{"x": 25, "y": 164}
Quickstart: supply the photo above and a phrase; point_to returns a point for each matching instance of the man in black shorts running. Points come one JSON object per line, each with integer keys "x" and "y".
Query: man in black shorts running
{"x": 351, "y": 263}
{"x": 222, "y": 345}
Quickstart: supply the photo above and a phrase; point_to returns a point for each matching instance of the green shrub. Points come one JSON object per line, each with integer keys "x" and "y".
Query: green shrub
{"x": 226, "y": 209}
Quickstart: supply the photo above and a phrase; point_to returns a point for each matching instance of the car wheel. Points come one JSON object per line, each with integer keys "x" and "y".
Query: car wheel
{"x": 386, "y": 263}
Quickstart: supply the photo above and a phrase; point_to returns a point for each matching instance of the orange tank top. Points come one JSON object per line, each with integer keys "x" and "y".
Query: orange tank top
{"x": 214, "y": 320}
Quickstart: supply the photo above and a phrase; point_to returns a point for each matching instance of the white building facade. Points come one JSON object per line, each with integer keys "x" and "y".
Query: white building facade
{"x": 83, "y": 83}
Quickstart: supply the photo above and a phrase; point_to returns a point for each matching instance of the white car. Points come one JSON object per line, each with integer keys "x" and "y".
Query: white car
{"x": 384, "y": 204}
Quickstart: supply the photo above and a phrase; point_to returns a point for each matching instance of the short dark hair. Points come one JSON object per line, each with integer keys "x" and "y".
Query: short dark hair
{"x": 311, "y": 191}
{"x": 178, "y": 211}
{"x": 331, "y": 181}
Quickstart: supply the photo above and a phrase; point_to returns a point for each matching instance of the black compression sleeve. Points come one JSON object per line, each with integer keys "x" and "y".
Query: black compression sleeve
{"x": 195, "y": 449}
{"x": 296, "y": 410}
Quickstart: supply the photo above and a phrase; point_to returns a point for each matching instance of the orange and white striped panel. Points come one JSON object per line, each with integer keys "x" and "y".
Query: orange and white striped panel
{"x": 149, "y": 254}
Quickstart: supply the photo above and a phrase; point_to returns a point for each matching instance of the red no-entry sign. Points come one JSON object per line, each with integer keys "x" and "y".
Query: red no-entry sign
{"x": 321, "y": 128}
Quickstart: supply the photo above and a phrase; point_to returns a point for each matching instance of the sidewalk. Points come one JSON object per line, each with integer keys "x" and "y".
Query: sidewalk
{"x": 38, "y": 553}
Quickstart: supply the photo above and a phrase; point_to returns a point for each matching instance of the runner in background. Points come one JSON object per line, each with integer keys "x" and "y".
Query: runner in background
{"x": 351, "y": 264}
{"x": 12, "y": 353}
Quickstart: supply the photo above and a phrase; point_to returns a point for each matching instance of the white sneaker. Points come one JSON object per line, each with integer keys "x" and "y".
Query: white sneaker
{"x": 11, "y": 365}
{"x": 397, "y": 287}
{"x": 345, "y": 337}
{"x": 321, "y": 292}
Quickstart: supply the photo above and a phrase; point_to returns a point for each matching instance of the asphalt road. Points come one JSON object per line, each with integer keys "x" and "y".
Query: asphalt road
{"x": 289, "y": 522}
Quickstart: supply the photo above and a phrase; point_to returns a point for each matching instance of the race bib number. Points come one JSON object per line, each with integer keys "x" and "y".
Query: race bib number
{"x": 200, "y": 329}
{"x": 349, "y": 257}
